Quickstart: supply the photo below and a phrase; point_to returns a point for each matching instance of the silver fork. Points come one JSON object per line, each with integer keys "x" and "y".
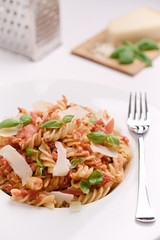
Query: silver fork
{"x": 138, "y": 122}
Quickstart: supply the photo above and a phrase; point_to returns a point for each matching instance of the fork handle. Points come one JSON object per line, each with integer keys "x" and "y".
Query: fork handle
{"x": 144, "y": 211}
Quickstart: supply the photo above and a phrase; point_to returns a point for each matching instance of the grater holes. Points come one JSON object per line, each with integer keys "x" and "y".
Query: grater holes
{"x": 11, "y": 1}
{"x": 8, "y": 11}
{"x": 4, "y": 20}
{"x": 11, "y": 22}
{"x": 18, "y": 25}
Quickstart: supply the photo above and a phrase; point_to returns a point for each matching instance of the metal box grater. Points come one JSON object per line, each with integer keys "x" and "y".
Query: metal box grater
{"x": 30, "y": 27}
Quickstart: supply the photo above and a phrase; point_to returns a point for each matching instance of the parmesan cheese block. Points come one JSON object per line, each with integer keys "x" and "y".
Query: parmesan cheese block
{"x": 17, "y": 162}
{"x": 137, "y": 25}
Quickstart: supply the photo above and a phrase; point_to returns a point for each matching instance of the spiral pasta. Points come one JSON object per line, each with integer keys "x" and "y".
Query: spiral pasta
{"x": 58, "y": 151}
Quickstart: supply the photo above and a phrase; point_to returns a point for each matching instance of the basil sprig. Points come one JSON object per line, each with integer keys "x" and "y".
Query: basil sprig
{"x": 40, "y": 165}
{"x": 57, "y": 123}
{"x": 95, "y": 178}
{"x": 100, "y": 137}
{"x": 92, "y": 119}
{"x": 129, "y": 51}
{"x": 8, "y": 123}
{"x": 30, "y": 152}
{"x": 76, "y": 161}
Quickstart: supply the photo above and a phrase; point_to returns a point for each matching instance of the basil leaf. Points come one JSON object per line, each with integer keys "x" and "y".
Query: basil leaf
{"x": 30, "y": 152}
{"x": 143, "y": 57}
{"x": 92, "y": 119}
{"x": 128, "y": 43}
{"x": 96, "y": 137}
{"x": 147, "y": 44}
{"x": 25, "y": 119}
{"x": 8, "y": 123}
{"x": 111, "y": 139}
{"x": 52, "y": 124}
{"x": 76, "y": 161}
{"x": 84, "y": 186}
{"x": 116, "y": 53}
{"x": 40, "y": 163}
{"x": 126, "y": 56}
{"x": 95, "y": 177}
{"x": 67, "y": 118}
{"x": 40, "y": 171}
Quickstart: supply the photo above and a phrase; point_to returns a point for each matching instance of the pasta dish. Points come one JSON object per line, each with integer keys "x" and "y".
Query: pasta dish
{"x": 61, "y": 155}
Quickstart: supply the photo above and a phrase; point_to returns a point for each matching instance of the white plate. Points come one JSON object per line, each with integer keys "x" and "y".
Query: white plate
{"x": 112, "y": 217}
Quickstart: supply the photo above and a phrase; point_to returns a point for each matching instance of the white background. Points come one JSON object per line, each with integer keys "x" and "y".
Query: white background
{"x": 80, "y": 20}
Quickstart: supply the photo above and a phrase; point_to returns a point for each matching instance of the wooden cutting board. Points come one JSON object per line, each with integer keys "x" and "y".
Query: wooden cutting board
{"x": 88, "y": 50}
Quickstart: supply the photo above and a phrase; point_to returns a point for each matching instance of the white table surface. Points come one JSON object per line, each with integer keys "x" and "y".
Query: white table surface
{"x": 80, "y": 20}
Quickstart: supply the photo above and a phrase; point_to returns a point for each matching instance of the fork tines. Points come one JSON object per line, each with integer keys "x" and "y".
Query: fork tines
{"x": 138, "y": 107}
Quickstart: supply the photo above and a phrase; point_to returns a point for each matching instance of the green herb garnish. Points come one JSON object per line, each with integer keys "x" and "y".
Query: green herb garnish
{"x": 97, "y": 137}
{"x": 76, "y": 161}
{"x": 92, "y": 120}
{"x": 84, "y": 186}
{"x": 96, "y": 177}
{"x": 67, "y": 118}
{"x": 129, "y": 51}
{"x": 40, "y": 165}
{"x": 112, "y": 140}
{"x": 30, "y": 152}
{"x": 52, "y": 124}
{"x": 8, "y": 123}
{"x": 57, "y": 123}
{"x": 25, "y": 119}
{"x": 100, "y": 137}
{"x": 40, "y": 171}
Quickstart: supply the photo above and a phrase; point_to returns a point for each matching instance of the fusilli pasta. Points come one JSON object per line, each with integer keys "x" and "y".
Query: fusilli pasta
{"x": 90, "y": 175}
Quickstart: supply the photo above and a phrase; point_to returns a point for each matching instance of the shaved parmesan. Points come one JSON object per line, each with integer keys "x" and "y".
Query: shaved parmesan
{"x": 17, "y": 162}
{"x": 8, "y": 132}
{"x": 62, "y": 165}
{"x": 103, "y": 150}
{"x": 41, "y": 106}
{"x": 75, "y": 206}
{"x": 77, "y": 111}
{"x": 101, "y": 114}
{"x": 61, "y": 197}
